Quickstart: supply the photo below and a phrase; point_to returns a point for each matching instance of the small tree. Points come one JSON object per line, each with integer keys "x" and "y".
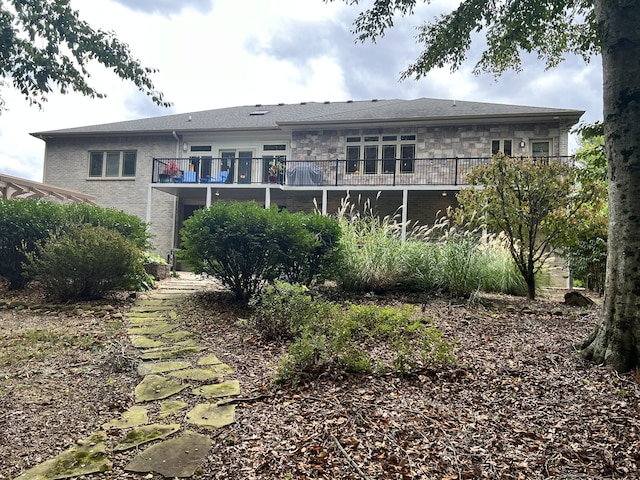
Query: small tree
{"x": 535, "y": 202}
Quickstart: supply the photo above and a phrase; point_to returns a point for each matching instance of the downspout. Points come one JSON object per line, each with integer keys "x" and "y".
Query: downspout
{"x": 175, "y": 135}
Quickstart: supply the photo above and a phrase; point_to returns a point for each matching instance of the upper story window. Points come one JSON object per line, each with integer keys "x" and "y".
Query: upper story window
{"x": 112, "y": 164}
{"x": 380, "y": 154}
{"x": 540, "y": 148}
{"x": 503, "y": 146}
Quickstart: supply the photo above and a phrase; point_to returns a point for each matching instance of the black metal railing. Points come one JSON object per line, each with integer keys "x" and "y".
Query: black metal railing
{"x": 373, "y": 172}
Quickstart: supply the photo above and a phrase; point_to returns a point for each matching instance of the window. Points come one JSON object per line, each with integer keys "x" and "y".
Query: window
{"x": 379, "y": 154}
{"x": 112, "y": 164}
{"x": 540, "y": 148}
{"x": 504, "y": 146}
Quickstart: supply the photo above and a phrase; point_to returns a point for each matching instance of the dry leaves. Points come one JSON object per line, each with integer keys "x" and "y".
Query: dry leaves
{"x": 518, "y": 404}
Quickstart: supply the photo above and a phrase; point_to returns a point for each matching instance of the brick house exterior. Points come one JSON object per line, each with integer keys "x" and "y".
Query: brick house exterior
{"x": 408, "y": 156}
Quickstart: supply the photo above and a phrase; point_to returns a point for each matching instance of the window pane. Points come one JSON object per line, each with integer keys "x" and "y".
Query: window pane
{"x": 201, "y": 148}
{"x": 353, "y": 158}
{"x": 371, "y": 159}
{"x": 407, "y": 137}
{"x": 389, "y": 138}
{"x": 271, "y": 148}
{"x": 540, "y": 149}
{"x": 388, "y": 158}
{"x": 370, "y": 139}
{"x": 95, "y": 164}
{"x": 129, "y": 164}
{"x": 408, "y": 153}
{"x": 495, "y": 147}
{"x": 113, "y": 164}
{"x": 507, "y": 148}
{"x": 353, "y": 139}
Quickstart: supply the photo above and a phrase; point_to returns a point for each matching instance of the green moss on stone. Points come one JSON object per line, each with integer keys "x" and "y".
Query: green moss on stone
{"x": 148, "y": 368}
{"x": 88, "y": 457}
{"x": 146, "y": 434}
{"x": 227, "y": 388}
{"x": 155, "y": 387}
{"x": 133, "y": 417}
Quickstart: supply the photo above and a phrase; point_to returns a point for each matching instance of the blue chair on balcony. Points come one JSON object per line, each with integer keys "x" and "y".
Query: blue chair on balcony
{"x": 189, "y": 177}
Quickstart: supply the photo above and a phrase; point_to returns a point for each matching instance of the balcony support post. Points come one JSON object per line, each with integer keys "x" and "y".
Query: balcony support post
{"x": 405, "y": 201}
{"x": 324, "y": 201}
{"x": 208, "y": 202}
{"x": 267, "y": 197}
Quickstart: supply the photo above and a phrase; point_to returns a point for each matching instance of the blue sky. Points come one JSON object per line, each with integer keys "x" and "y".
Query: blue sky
{"x": 221, "y": 53}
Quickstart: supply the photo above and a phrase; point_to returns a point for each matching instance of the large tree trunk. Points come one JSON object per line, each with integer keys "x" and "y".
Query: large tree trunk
{"x": 616, "y": 342}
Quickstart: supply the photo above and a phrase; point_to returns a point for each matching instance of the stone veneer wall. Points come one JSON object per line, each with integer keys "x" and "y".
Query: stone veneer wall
{"x": 433, "y": 142}
{"x": 67, "y": 165}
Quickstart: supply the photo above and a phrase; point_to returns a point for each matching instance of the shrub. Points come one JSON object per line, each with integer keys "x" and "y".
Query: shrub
{"x": 281, "y": 309}
{"x": 246, "y": 246}
{"x": 329, "y": 338}
{"x": 315, "y": 252}
{"x": 24, "y": 224}
{"x": 129, "y": 226}
{"x": 85, "y": 263}
{"x": 27, "y": 224}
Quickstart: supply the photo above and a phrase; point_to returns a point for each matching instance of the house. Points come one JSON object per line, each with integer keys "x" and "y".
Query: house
{"x": 412, "y": 154}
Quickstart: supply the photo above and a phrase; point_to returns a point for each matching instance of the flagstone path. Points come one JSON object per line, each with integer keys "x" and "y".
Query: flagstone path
{"x": 173, "y": 363}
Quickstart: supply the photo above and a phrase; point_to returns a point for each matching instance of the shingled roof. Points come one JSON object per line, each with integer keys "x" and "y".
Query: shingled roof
{"x": 280, "y": 116}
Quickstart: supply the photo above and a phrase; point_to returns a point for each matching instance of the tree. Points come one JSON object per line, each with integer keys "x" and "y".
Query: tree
{"x": 43, "y": 43}
{"x": 550, "y": 29}
{"x": 536, "y": 203}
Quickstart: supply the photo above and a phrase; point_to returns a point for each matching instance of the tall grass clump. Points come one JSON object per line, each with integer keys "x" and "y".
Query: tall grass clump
{"x": 500, "y": 273}
{"x": 371, "y": 249}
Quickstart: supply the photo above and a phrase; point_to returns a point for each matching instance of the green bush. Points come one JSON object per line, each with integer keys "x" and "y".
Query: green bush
{"x": 246, "y": 246}
{"x": 27, "y": 224}
{"x": 129, "y": 226}
{"x": 313, "y": 252}
{"x": 281, "y": 309}
{"x": 24, "y": 224}
{"x": 333, "y": 339}
{"x": 85, "y": 263}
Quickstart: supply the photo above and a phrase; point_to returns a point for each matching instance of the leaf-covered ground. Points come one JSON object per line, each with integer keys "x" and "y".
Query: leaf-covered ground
{"x": 519, "y": 403}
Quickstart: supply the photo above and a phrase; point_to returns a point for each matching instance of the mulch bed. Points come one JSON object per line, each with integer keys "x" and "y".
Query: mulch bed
{"x": 519, "y": 402}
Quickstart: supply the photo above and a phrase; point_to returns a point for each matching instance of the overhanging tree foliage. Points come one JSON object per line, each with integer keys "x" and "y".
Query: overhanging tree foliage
{"x": 588, "y": 255}
{"x": 44, "y": 44}
{"x": 550, "y": 29}
{"x": 535, "y": 202}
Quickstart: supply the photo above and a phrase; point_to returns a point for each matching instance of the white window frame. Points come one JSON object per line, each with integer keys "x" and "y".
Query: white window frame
{"x": 362, "y": 146}
{"x": 548, "y": 141}
{"x": 108, "y": 155}
{"x": 502, "y": 146}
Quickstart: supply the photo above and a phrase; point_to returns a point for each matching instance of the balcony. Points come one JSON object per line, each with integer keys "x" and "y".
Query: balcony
{"x": 318, "y": 173}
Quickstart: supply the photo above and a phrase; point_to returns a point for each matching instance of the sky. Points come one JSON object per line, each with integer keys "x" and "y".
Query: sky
{"x": 223, "y": 53}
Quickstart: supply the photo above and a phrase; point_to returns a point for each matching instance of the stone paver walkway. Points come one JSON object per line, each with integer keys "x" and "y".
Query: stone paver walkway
{"x": 173, "y": 364}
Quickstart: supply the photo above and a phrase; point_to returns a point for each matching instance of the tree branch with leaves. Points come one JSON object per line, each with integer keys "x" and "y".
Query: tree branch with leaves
{"x": 44, "y": 45}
